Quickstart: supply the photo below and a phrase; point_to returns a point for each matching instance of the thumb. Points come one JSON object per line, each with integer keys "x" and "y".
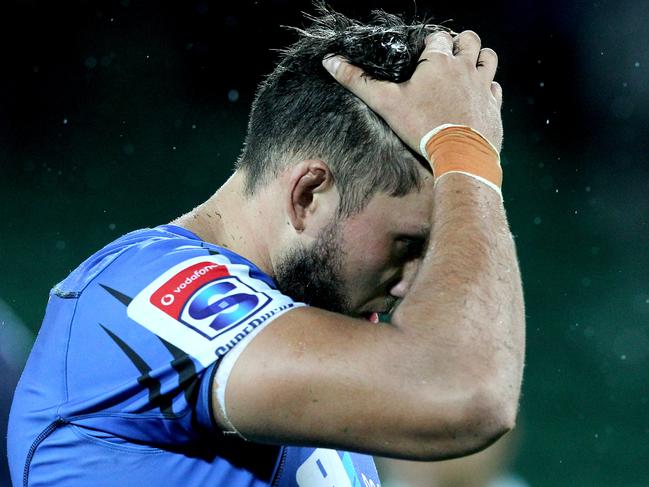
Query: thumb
{"x": 354, "y": 79}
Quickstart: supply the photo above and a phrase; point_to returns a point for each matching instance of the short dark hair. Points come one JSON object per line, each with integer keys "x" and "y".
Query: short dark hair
{"x": 301, "y": 112}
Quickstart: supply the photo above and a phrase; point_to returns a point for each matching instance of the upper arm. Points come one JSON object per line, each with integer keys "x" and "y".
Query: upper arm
{"x": 320, "y": 378}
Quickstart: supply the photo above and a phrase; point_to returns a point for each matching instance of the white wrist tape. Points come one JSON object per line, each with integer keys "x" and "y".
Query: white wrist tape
{"x": 478, "y": 178}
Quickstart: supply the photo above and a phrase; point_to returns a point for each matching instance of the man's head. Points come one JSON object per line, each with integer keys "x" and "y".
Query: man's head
{"x": 301, "y": 113}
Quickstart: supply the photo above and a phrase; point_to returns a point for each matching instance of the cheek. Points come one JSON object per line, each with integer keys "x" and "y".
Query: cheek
{"x": 367, "y": 263}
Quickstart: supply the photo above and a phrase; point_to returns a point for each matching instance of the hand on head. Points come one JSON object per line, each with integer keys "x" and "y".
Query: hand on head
{"x": 453, "y": 83}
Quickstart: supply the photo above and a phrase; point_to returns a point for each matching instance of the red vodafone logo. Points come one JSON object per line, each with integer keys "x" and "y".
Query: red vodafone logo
{"x": 172, "y": 296}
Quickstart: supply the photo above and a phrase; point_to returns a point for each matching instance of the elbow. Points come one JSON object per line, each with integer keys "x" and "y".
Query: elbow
{"x": 496, "y": 417}
{"x": 468, "y": 425}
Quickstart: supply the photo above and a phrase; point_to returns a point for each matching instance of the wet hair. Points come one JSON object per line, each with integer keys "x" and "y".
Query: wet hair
{"x": 300, "y": 112}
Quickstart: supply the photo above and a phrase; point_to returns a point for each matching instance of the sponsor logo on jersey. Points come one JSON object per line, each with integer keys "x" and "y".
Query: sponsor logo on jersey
{"x": 206, "y": 305}
{"x": 207, "y": 299}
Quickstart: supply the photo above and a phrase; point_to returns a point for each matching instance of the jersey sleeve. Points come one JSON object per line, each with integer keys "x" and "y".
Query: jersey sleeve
{"x": 149, "y": 331}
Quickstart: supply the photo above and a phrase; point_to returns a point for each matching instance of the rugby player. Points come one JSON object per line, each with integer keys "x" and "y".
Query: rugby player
{"x": 241, "y": 344}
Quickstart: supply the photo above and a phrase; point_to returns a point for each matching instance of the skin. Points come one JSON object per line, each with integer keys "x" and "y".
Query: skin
{"x": 443, "y": 380}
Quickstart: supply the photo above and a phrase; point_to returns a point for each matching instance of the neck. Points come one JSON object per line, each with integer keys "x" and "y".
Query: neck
{"x": 231, "y": 220}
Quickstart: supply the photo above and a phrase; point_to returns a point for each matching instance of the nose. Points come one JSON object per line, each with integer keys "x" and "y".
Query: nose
{"x": 400, "y": 289}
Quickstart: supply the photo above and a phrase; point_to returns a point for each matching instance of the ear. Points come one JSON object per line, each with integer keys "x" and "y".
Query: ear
{"x": 308, "y": 181}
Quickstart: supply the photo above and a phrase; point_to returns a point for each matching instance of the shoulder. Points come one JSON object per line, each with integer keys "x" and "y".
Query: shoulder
{"x": 201, "y": 298}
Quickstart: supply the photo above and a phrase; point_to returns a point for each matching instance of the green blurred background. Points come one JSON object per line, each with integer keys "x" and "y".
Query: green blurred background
{"x": 116, "y": 115}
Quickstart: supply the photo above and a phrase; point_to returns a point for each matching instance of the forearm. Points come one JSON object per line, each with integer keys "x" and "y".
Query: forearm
{"x": 464, "y": 314}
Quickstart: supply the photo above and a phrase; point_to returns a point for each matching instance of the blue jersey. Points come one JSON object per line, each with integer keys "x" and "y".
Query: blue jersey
{"x": 117, "y": 389}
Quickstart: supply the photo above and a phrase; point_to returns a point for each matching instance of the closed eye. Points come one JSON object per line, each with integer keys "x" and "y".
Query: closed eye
{"x": 408, "y": 248}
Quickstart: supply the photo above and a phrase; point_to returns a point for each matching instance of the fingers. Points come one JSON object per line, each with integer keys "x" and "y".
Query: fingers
{"x": 487, "y": 63}
{"x": 372, "y": 92}
{"x": 467, "y": 45}
{"x": 437, "y": 42}
{"x": 497, "y": 92}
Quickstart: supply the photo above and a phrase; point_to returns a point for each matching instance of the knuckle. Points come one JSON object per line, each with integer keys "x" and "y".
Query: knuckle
{"x": 470, "y": 36}
{"x": 442, "y": 34}
{"x": 438, "y": 40}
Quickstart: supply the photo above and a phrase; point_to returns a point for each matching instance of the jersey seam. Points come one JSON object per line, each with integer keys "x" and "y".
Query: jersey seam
{"x": 42, "y": 436}
{"x": 66, "y": 357}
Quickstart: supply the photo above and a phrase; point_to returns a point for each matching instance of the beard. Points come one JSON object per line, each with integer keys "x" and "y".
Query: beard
{"x": 313, "y": 275}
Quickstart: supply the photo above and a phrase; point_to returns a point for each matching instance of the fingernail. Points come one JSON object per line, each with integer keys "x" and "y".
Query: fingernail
{"x": 331, "y": 64}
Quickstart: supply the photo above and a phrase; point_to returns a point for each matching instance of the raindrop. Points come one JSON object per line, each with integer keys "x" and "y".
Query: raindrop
{"x": 112, "y": 226}
{"x": 233, "y": 95}
{"x": 541, "y": 84}
{"x": 65, "y": 121}
{"x": 90, "y": 62}
{"x": 537, "y": 220}
{"x": 60, "y": 244}
{"x": 637, "y": 64}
